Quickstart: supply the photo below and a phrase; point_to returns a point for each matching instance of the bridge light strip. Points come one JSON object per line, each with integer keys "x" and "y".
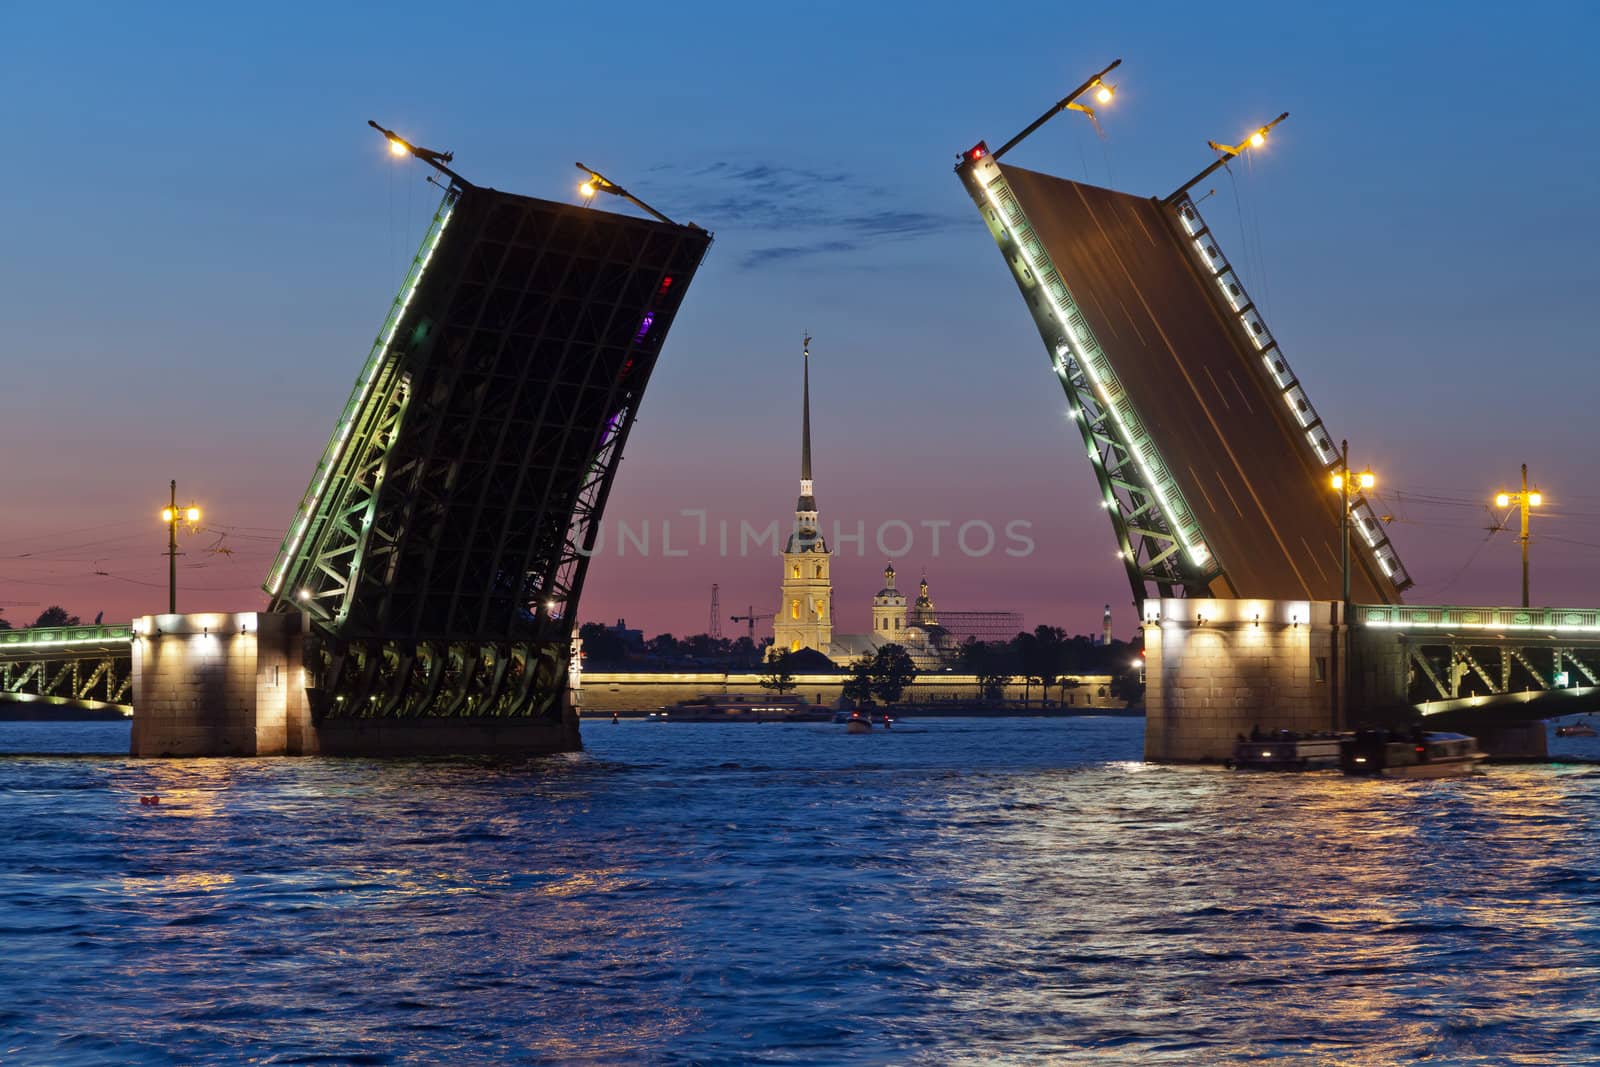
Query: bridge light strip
{"x": 1199, "y": 553}
{"x": 1407, "y": 624}
{"x": 1224, "y": 275}
{"x": 45, "y": 642}
{"x": 375, "y": 362}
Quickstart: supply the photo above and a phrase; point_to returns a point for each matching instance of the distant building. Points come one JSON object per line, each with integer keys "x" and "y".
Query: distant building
{"x": 804, "y": 616}
{"x": 632, "y": 640}
{"x": 915, "y": 628}
{"x": 889, "y": 610}
{"x": 1105, "y": 627}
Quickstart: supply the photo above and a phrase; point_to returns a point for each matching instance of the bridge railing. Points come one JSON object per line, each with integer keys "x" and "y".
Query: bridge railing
{"x": 50, "y": 640}
{"x": 1276, "y": 366}
{"x": 1552, "y": 621}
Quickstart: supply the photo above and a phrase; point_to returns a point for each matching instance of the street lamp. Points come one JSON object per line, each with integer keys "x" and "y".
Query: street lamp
{"x": 599, "y": 183}
{"x": 172, "y": 515}
{"x": 1225, "y": 152}
{"x": 1341, "y": 481}
{"x": 1523, "y": 501}
{"x": 399, "y": 146}
{"x": 1103, "y": 92}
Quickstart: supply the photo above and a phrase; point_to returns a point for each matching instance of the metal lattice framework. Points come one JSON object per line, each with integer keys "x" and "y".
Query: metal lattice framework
{"x": 74, "y": 666}
{"x": 1158, "y": 537}
{"x": 1461, "y": 659}
{"x": 441, "y": 546}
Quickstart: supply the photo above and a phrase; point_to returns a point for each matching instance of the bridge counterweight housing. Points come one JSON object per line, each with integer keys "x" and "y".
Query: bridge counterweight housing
{"x": 441, "y": 547}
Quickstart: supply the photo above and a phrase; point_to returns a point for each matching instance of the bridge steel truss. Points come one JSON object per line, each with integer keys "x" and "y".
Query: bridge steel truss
{"x": 441, "y": 546}
{"x": 1464, "y": 658}
{"x": 73, "y": 666}
{"x": 1158, "y": 537}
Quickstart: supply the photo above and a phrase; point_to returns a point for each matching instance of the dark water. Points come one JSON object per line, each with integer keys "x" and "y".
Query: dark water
{"x": 955, "y": 892}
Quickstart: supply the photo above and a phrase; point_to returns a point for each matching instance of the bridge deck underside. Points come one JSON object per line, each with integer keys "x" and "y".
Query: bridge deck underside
{"x": 442, "y": 549}
{"x": 1219, "y": 422}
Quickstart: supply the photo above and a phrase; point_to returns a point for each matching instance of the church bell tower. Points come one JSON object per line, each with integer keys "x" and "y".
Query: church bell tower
{"x": 804, "y": 618}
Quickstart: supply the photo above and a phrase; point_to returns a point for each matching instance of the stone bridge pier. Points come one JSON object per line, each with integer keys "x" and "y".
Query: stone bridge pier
{"x": 220, "y": 684}
{"x": 1215, "y": 669}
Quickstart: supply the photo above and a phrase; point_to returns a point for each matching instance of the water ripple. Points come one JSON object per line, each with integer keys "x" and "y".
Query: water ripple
{"x": 966, "y": 893}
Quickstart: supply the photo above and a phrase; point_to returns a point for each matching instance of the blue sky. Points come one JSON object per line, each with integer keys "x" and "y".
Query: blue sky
{"x": 203, "y": 236}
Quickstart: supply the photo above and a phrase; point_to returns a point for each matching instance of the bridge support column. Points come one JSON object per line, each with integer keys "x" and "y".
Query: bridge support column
{"x": 218, "y": 684}
{"x": 1216, "y": 669}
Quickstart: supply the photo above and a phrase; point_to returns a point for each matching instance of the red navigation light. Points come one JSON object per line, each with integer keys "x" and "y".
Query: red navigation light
{"x": 977, "y": 151}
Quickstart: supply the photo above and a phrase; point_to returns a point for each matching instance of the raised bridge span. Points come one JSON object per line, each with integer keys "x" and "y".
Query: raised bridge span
{"x": 1215, "y": 468}
{"x": 439, "y": 552}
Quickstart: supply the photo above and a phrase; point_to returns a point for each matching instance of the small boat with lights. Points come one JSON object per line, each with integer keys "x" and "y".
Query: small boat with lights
{"x": 1285, "y": 750}
{"x": 735, "y": 707}
{"x": 1414, "y": 754}
{"x": 858, "y": 723}
{"x": 1576, "y": 729}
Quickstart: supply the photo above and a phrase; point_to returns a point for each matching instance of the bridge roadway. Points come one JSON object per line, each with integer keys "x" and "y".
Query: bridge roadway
{"x": 1221, "y": 423}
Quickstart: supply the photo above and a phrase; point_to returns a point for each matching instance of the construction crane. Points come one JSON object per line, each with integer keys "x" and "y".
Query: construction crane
{"x": 750, "y": 618}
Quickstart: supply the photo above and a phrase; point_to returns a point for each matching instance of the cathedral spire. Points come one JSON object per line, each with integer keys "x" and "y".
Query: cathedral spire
{"x": 805, "y": 420}
{"x": 805, "y": 509}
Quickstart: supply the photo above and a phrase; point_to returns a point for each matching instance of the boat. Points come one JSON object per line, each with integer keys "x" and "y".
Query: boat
{"x": 1576, "y": 729}
{"x": 1285, "y": 751}
{"x": 1413, "y": 754}
{"x": 858, "y": 723}
{"x": 735, "y": 707}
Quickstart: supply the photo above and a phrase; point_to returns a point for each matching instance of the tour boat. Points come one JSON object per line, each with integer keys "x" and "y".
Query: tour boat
{"x": 735, "y": 707}
{"x": 1285, "y": 751}
{"x": 1577, "y": 729}
{"x": 1418, "y": 754}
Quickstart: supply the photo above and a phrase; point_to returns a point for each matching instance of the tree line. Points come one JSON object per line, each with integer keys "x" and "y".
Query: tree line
{"x": 884, "y": 675}
{"x": 54, "y": 615}
{"x": 1048, "y": 657}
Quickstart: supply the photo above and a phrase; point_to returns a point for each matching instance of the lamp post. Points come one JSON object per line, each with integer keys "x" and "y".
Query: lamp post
{"x": 1341, "y": 479}
{"x": 171, "y": 515}
{"x": 599, "y": 183}
{"x": 1523, "y": 501}
{"x": 1103, "y": 93}
{"x": 1225, "y": 152}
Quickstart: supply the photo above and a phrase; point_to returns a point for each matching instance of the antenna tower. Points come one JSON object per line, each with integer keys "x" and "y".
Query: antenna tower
{"x": 715, "y": 630}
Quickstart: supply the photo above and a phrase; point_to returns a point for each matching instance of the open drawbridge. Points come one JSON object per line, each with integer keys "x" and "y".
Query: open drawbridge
{"x": 1211, "y": 461}
{"x": 441, "y": 546}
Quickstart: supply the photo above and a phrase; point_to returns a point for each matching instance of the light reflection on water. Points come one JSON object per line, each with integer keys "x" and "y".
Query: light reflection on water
{"x": 958, "y": 892}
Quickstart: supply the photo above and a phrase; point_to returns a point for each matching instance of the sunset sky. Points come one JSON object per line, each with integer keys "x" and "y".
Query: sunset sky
{"x": 203, "y": 236}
